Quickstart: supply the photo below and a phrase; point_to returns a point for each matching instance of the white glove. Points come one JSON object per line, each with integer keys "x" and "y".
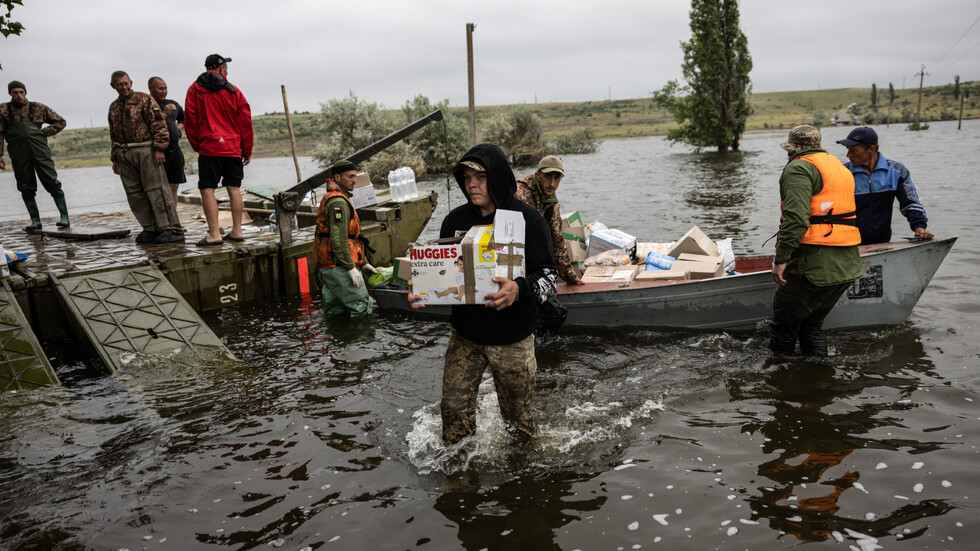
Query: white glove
{"x": 356, "y": 277}
{"x": 369, "y": 268}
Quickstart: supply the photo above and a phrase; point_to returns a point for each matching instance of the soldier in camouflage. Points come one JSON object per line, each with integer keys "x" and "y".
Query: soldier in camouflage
{"x": 138, "y": 131}
{"x": 22, "y": 126}
{"x": 538, "y": 190}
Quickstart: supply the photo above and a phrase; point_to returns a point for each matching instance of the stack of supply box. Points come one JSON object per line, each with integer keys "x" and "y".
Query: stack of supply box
{"x": 693, "y": 256}
{"x": 463, "y": 273}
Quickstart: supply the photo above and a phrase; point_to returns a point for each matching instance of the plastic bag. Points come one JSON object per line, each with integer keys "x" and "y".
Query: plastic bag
{"x": 612, "y": 257}
{"x": 727, "y": 254}
{"x": 382, "y": 277}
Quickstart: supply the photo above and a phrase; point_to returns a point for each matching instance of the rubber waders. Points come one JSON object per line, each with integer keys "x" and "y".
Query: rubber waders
{"x": 35, "y": 215}
{"x": 63, "y": 209}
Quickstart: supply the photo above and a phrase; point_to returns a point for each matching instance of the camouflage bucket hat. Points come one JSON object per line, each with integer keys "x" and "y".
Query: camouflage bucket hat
{"x": 802, "y": 137}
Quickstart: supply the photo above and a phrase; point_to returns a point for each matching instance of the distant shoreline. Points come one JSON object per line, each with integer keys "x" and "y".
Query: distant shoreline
{"x": 608, "y": 119}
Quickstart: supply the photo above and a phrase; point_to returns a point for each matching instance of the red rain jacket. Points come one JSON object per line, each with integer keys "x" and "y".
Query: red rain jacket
{"x": 217, "y": 117}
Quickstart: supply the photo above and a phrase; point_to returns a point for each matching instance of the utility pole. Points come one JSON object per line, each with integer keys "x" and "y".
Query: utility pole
{"x": 918, "y": 107}
{"x": 470, "y": 27}
{"x": 966, "y": 92}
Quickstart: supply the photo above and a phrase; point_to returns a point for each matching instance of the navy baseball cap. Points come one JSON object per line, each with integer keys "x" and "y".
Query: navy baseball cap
{"x": 861, "y": 134}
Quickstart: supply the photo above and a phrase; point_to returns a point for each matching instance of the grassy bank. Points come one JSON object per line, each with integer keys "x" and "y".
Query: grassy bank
{"x": 82, "y": 147}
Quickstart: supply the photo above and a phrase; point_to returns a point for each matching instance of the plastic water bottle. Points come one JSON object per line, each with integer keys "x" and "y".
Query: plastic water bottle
{"x": 394, "y": 185}
{"x": 658, "y": 261}
{"x": 412, "y": 188}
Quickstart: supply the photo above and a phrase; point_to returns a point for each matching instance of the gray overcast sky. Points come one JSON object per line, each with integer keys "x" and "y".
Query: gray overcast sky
{"x": 525, "y": 51}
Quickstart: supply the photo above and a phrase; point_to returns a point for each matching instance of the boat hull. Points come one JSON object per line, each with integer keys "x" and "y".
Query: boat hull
{"x": 895, "y": 275}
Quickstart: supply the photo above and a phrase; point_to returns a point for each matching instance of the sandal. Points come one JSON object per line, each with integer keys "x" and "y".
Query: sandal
{"x": 205, "y": 243}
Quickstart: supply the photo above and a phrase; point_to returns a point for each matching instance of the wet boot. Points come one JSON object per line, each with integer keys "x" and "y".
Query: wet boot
{"x": 63, "y": 209}
{"x": 35, "y": 215}
{"x": 813, "y": 342}
{"x": 782, "y": 342}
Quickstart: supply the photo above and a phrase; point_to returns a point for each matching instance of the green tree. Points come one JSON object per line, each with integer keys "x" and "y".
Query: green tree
{"x": 519, "y": 134}
{"x": 440, "y": 143}
{"x": 352, "y": 124}
{"x": 713, "y": 105}
{"x": 874, "y": 97}
{"x": 891, "y": 100}
{"x": 7, "y": 25}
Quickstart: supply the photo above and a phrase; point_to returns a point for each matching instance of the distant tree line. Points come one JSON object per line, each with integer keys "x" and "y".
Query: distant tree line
{"x": 351, "y": 124}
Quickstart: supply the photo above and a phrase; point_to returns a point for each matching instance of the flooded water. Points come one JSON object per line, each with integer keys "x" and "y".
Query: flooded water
{"x": 326, "y": 435}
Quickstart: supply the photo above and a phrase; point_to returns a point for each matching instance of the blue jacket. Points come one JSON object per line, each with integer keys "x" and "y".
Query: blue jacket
{"x": 874, "y": 199}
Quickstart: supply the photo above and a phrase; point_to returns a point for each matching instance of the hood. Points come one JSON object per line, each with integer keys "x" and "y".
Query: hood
{"x": 213, "y": 81}
{"x": 501, "y": 183}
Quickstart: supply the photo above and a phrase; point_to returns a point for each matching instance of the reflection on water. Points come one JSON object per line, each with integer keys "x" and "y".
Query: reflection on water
{"x": 325, "y": 435}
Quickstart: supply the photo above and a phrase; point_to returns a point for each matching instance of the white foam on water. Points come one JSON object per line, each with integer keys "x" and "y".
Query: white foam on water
{"x": 881, "y": 466}
{"x": 633, "y": 526}
{"x": 917, "y": 465}
{"x": 864, "y": 541}
{"x": 917, "y": 488}
{"x": 661, "y": 518}
{"x": 860, "y": 486}
{"x": 732, "y": 531}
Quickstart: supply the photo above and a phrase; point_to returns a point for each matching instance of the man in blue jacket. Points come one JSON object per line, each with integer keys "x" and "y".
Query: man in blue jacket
{"x": 500, "y": 333}
{"x": 877, "y": 183}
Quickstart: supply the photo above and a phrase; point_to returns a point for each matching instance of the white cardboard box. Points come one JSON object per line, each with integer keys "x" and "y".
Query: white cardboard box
{"x": 605, "y": 240}
{"x": 463, "y": 273}
{"x": 363, "y": 194}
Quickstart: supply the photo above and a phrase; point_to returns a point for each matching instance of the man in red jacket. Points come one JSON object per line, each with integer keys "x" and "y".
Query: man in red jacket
{"x": 218, "y": 122}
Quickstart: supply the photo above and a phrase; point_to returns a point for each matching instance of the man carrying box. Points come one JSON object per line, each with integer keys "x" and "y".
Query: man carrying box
{"x": 338, "y": 248}
{"x": 500, "y": 333}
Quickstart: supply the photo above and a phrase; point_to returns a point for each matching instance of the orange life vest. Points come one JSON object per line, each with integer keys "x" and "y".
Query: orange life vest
{"x": 833, "y": 215}
{"x": 323, "y": 255}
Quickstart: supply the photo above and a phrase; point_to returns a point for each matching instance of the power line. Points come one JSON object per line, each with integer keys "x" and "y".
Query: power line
{"x": 958, "y": 40}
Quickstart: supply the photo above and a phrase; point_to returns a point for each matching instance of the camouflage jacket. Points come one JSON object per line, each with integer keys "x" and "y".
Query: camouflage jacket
{"x": 11, "y": 112}
{"x": 135, "y": 119}
{"x": 529, "y": 191}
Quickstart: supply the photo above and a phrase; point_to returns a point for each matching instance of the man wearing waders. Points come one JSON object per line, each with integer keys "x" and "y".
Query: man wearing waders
{"x": 339, "y": 250}
{"x": 21, "y": 124}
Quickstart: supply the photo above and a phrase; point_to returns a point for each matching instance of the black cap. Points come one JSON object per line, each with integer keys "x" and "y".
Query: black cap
{"x": 342, "y": 166}
{"x": 861, "y": 134}
{"x": 214, "y": 61}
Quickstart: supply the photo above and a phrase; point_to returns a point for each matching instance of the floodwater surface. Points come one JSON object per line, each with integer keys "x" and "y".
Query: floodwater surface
{"x": 326, "y": 434}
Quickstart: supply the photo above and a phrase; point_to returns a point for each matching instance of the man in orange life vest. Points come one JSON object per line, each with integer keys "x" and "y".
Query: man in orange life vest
{"x": 817, "y": 257}
{"x": 339, "y": 250}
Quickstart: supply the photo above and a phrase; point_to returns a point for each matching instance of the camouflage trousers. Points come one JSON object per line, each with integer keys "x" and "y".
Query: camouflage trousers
{"x": 512, "y": 366}
{"x": 146, "y": 188}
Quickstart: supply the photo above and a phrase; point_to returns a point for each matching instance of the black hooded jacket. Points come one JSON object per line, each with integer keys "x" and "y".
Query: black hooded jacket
{"x": 213, "y": 81}
{"x": 477, "y": 322}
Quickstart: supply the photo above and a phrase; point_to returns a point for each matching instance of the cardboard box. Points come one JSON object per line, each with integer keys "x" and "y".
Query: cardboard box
{"x": 694, "y": 242}
{"x": 700, "y": 266}
{"x": 363, "y": 194}
{"x": 609, "y": 274}
{"x": 401, "y": 271}
{"x": 573, "y": 233}
{"x": 572, "y": 219}
{"x": 605, "y": 240}
{"x": 463, "y": 273}
{"x": 578, "y": 252}
{"x": 653, "y": 275}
